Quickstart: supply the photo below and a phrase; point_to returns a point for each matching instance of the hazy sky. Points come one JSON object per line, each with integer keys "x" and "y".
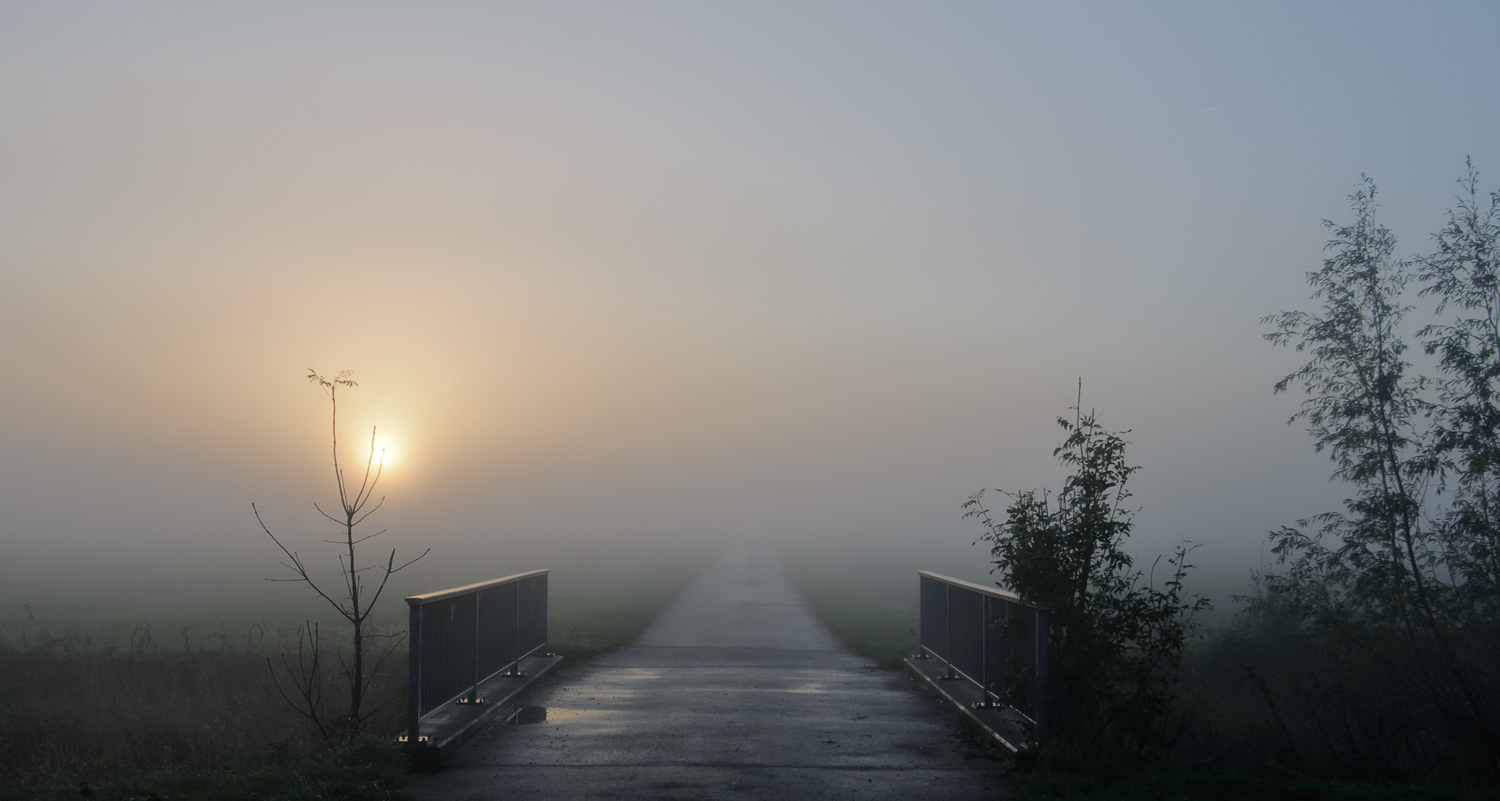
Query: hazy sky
{"x": 642, "y": 271}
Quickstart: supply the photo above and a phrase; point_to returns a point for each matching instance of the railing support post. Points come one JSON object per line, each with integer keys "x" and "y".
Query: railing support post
{"x": 1039, "y": 697}
{"x": 987, "y": 698}
{"x": 984, "y": 652}
{"x": 546, "y": 632}
{"x": 515, "y": 666}
{"x": 951, "y": 675}
{"x": 414, "y": 675}
{"x": 474, "y": 687}
{"x": 948, "y": 627}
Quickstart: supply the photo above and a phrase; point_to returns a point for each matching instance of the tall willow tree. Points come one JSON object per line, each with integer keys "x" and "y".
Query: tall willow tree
{"x": 1364, "y": 409}
{"x": 1402, "y": 579}
{"x": 1464, "y": 277}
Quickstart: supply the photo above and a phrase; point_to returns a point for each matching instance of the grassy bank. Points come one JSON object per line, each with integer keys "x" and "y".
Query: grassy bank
{"x": 608, "y": 604}
{"x": 81, "y": 714}
{"x": 870, "y": 609}
{"x": 372, "y": 770}
{"x": 108, "y": 705}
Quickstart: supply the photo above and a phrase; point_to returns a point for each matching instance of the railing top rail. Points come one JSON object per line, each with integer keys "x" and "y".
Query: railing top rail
{"x": 429, "y": 597}
{"x": 969, "y": 585}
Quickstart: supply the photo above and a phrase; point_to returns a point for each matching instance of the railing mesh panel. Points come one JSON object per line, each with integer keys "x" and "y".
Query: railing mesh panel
{"x": 462, "y": 637}
{"x": 1025, "y": 658}
{"x": 447, "y": 651}
{"x": 934, "y": 616}
{"x": 533, "y": 611}
{"x": 497, "y": 629}
{"x": 994, "y": 640}
{"x": 966, "y": 632}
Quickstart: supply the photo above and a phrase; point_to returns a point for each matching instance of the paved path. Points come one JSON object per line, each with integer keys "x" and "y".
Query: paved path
{"x": 736, "y": 691}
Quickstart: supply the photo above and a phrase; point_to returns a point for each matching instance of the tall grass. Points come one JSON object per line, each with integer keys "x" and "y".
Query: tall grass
{"x": 1268, "y": 694}
{"x": 369, "y": 770}
{"x": 1177, "y": 784}
{"x": 78, "y": 712}
{"x": 94, "y": 695}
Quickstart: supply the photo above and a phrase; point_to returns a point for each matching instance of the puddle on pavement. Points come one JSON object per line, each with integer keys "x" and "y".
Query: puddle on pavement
{"x": 530, "y": 714}
{"x": 527, "y": 715}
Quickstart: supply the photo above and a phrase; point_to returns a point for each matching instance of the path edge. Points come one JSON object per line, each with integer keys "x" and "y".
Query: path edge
{"x": 1003, "y": 732}
{"x": 500, "y": 693}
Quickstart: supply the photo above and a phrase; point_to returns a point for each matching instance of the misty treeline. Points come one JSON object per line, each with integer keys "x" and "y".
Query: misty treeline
{"x": 1371, "y": 647}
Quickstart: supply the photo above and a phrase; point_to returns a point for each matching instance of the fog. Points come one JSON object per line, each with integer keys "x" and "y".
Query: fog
{"x": 616, "y": 278}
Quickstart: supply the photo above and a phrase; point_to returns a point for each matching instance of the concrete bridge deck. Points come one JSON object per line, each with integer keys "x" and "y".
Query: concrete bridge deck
{"x": 736, "y": 691}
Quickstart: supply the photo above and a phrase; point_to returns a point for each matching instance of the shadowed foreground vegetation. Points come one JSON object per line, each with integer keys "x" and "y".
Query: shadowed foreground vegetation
{"x": 1189, "y": 785}
{"x": 1226, "y": 742}
{"x": 71, "y": 711}
{"x": 369, "y": 770}
{"x": 114, "y": 709}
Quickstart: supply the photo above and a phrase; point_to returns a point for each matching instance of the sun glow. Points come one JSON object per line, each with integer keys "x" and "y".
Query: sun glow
{"x": 384, "y": 453}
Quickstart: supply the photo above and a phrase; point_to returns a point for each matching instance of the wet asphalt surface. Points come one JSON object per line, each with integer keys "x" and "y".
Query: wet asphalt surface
{"x": 736, "y": 691}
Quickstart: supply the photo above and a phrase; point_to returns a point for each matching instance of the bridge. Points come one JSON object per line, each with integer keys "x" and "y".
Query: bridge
{"x": 736, "y": 690}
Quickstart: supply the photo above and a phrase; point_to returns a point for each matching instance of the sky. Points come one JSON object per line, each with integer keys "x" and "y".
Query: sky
{"x": 637, "y": 274}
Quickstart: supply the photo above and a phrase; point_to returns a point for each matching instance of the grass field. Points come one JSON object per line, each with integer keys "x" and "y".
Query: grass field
{"x": 871, "y": 607}
{"x": 372, "y": 770}
{"x": 102, "y": 700}
{"x": 867, "y": 622}
{"x": 608, "y": 603}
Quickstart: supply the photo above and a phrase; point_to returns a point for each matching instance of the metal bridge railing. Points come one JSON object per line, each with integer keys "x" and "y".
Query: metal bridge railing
{"x": 990, "y": 638}
{"x": 462, "y": 637}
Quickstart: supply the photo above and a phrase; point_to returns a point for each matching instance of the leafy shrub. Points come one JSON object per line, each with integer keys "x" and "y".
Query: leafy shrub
{"x": 1115, "y": 637}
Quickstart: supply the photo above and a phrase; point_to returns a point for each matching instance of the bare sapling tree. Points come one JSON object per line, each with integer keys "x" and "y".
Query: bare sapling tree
{"x": 354, "y": 602}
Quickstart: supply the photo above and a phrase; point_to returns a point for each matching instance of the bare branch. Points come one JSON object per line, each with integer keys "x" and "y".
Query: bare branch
{"x": 385, "y": 654}
{"x": 412, "y": 562}
{"x": 306, "y": 680}
{"x": 329, "y": 516}
{"x": 382, "y": 635}
{"x": 262, "y": 523}
{"x": 371, "y": 536}
{"x": 363, "y": 495}
{"x": 389, "y": 571}
{"x": 296, "y": 565}
{"x": 371, "y": 512}
{"x": 348, "y": 575}
{"x": 383, "y": 704}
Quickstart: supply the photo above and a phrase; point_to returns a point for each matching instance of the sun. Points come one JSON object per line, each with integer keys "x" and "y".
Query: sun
{"x": 385, "y": 453}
